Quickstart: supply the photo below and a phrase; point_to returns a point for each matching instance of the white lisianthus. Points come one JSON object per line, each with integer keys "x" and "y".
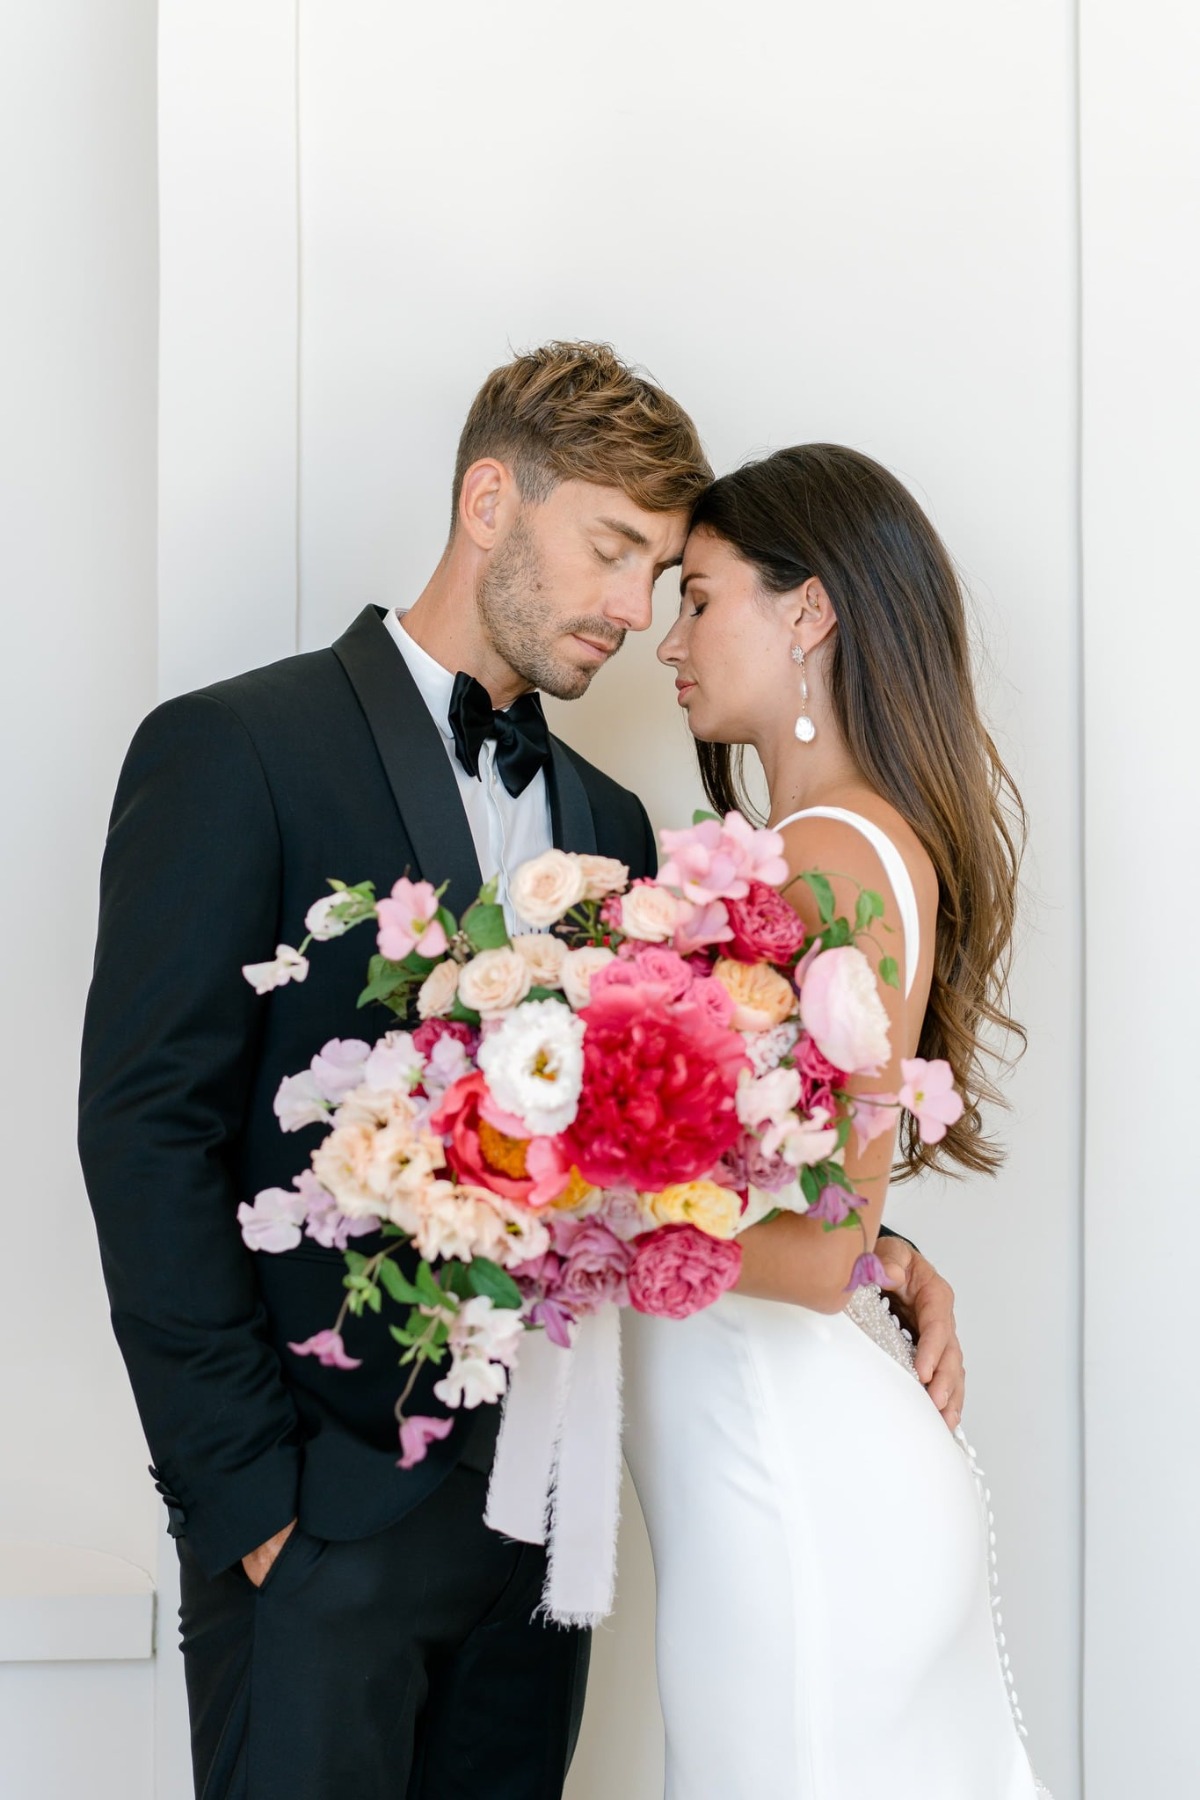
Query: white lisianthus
{"x": 543, "y": 890}
{"x": 578, "y": 968}
{"x": 534, "y": 1065}
{"x": 299, "y": 1102}
{"x": 650, "y": 913}
{"x": 288, "y": 965}
{"x": 493, "y": 982}
{"x": 602, "y": 875}
{"x": 544, "y": 954}
{"x": 438, "y": 990}
{"x": 768, "y": 1099}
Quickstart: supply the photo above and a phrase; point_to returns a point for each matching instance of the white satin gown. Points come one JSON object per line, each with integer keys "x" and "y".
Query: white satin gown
{"x": 825, "y": 1626}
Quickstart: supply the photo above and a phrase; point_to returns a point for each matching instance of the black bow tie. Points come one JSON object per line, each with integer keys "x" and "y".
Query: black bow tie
{"x": 522, "y": 740}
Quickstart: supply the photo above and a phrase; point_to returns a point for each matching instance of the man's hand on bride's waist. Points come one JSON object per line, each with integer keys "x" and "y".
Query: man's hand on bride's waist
{"x": 924, "y": 1303}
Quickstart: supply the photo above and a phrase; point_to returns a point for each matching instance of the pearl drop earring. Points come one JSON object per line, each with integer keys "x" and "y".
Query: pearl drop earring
{"x": 806, "y": 731}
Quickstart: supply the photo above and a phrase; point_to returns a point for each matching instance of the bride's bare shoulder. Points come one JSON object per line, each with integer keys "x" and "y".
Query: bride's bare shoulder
{"x": 837, "y": 847}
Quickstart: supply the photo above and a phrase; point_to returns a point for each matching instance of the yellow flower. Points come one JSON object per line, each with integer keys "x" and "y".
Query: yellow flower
{"x": 704, "y": 1204}
{"x": 760, "y": 994}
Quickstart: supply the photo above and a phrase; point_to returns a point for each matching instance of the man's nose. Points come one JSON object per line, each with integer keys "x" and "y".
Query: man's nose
{"x": 633, "y": 608}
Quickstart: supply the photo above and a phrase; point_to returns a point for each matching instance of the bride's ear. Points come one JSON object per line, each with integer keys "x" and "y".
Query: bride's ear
{"x": 811, "y": 614}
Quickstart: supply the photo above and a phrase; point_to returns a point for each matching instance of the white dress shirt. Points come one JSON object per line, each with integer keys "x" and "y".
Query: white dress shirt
{"x": 507, "y": 829}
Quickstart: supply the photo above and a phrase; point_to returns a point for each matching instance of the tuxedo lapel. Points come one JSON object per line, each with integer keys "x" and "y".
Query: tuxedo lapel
{"x": 570, "y": 813}
{"x": 414, "y": 759}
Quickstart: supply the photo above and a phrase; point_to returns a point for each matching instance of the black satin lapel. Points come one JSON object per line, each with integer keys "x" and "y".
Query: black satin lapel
{"x": 570, "y": 814}
{"x": 414, "y": 759}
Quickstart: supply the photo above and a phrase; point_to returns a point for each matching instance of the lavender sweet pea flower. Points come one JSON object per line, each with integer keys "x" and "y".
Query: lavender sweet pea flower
{"x": 299, "y": 1102}
{"x": 555, "y": 1321}
{"x": 834, "y": 1205}
{"x": 273, "y": 1222}
{"x": 337, "y": 1068}
{"x": 868, "y": 1271}
{"x": 326, "y": 1224}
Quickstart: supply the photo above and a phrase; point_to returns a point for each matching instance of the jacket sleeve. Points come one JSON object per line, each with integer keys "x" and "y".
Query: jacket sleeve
{"x": 190, "y": 890}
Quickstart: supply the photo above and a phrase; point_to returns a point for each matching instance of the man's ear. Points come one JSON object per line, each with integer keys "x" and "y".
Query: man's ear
{"x": 489, "y": 494}
{"x": 811, "y": 614}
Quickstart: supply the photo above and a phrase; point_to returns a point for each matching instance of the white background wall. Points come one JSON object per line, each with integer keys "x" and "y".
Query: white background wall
{"x": 808, "y": 222}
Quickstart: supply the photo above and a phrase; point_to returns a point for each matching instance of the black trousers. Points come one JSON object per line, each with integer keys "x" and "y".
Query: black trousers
{"x": 405, "y": 1666}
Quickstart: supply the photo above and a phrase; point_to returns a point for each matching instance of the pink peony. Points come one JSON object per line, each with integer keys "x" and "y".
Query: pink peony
{"x": 930, "y": 1094}
{"x": 842, "y": 1011}
{"x": 408, "y": 921}
{"x": 329, "y": 1350}
{"x": 416, "y": 1435}
{"x": 596, "y": 1267}
{"x": 489, "y": 1149}
{"x": 764, "y": 927}
{"x": 659, "y": 1085}
{"x": 678, "y": 1270}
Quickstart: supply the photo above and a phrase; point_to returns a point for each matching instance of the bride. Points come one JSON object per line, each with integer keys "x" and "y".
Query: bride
{"x": 825, "y": 1626}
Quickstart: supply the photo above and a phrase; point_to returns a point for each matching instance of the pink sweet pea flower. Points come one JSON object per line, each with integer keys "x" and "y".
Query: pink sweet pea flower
{"x": 408, "y": 921}
{"x": 762, "y": 850}
{"x": 704, "y": 864}
{"x": 288, "y": 965}
{"x": 873, "y": 1115}
{"x": 273, "y": 1222}
{"x": 329, "y": 1350}
{"x": 930, "y": 1094}
{"x": 701, "y": 926}
{"x": 416, "y": 1435}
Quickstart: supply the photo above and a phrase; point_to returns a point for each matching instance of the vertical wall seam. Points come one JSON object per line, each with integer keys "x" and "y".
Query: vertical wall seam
{"x": 1081, "y": 851}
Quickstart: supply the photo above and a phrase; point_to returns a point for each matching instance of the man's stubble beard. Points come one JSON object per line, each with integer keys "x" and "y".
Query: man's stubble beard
{"x": 513, "y": 606}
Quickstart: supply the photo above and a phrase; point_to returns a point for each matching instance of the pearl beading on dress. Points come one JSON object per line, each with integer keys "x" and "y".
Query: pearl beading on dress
{"x": 872, "y": 1314}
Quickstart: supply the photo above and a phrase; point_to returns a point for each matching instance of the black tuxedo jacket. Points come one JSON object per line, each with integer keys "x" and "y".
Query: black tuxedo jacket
{"x": 234, "y": 807}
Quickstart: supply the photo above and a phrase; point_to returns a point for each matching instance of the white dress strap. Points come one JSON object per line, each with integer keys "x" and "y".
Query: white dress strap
{"x": 894, "y": 867}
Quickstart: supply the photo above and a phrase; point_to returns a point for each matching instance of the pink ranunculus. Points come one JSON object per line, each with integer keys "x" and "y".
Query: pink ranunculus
{"x": 929, "y": 1093}
{"x": 841, "y": 1009}
{"x": 273, "y": 1222}
{"x": 416, "y": 1435}
{"x": 714, "y": 998}
{"x": 678, "y": 1270}
{"x": 764, "y": 927}
{"x": 427, "y": 1035}
{"x": 701, "y": 927}
{"x": 408, "y": 921}
{"x": 329, "y": 1350}
{"x": 596, "y": 1265}
{"x": 659, "y": 1086}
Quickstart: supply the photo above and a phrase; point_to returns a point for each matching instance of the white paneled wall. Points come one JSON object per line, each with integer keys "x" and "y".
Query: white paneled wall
{"x": 808, "y": 222}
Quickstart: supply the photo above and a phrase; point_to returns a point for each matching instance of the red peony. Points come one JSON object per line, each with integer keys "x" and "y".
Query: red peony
{"x": 678, "y": 1271}
{"x": 659, "y": 1080}
{"x": 765, "y": 928}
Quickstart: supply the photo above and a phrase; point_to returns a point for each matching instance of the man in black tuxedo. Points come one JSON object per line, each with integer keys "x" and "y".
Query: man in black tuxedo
{"x": 351, "y": 1628}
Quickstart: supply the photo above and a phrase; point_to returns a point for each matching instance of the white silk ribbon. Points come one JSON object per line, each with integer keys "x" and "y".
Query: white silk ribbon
{"x": 557, "y": 1473}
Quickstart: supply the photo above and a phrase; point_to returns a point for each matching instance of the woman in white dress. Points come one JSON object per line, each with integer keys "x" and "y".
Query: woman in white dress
{"x": 825, "y": 1624}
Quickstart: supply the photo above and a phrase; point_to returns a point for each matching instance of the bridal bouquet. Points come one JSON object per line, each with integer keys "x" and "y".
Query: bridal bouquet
{"x": 585, "y": 1115}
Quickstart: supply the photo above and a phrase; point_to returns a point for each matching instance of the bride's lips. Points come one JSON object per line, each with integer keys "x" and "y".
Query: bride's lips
{"x": 682, "y": 690}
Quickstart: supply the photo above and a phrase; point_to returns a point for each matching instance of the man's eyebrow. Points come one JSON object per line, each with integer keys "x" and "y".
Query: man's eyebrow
{"x": 626, "y": 531}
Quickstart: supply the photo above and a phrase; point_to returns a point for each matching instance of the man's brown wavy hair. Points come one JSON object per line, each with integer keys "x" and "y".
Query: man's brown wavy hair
{"x": 576, "y": 412}
{"x": 901, "y": 687}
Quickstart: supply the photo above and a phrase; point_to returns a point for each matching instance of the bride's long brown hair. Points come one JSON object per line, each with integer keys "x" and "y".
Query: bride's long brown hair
{"x": 900, "y": 684}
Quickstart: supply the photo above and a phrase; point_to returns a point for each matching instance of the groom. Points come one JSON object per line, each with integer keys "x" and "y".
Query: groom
{"x": 350, "y": 1628}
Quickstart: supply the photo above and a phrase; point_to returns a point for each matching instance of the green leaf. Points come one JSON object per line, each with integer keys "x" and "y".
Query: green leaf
{"x": 836, "y": 934}
{"x": 869, "y": 907}
{"x": 383, "y": 978}
{"x": 490, "y": 1279}
{"x": 456, "y": 1280}
{"x": 822, "y": 894}
{"x": 467, "y": 1014}
{"x": 843, "y": 1133}
{"x": 809, "y": 1186}
{"x": 431, "y": 1294}
{"x": 356, "y": 1262}
{"x": 373, "y": 1298}
{"x": 447, "y": 921}
{"x": 700, "y": 816}
{"x": 400, "y": 1290}
{"x": 889, "y": 971}
{"x": 401, "y": 1336}
{"x": 776, "y": 1212}
{"x": 485, "y": 927}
